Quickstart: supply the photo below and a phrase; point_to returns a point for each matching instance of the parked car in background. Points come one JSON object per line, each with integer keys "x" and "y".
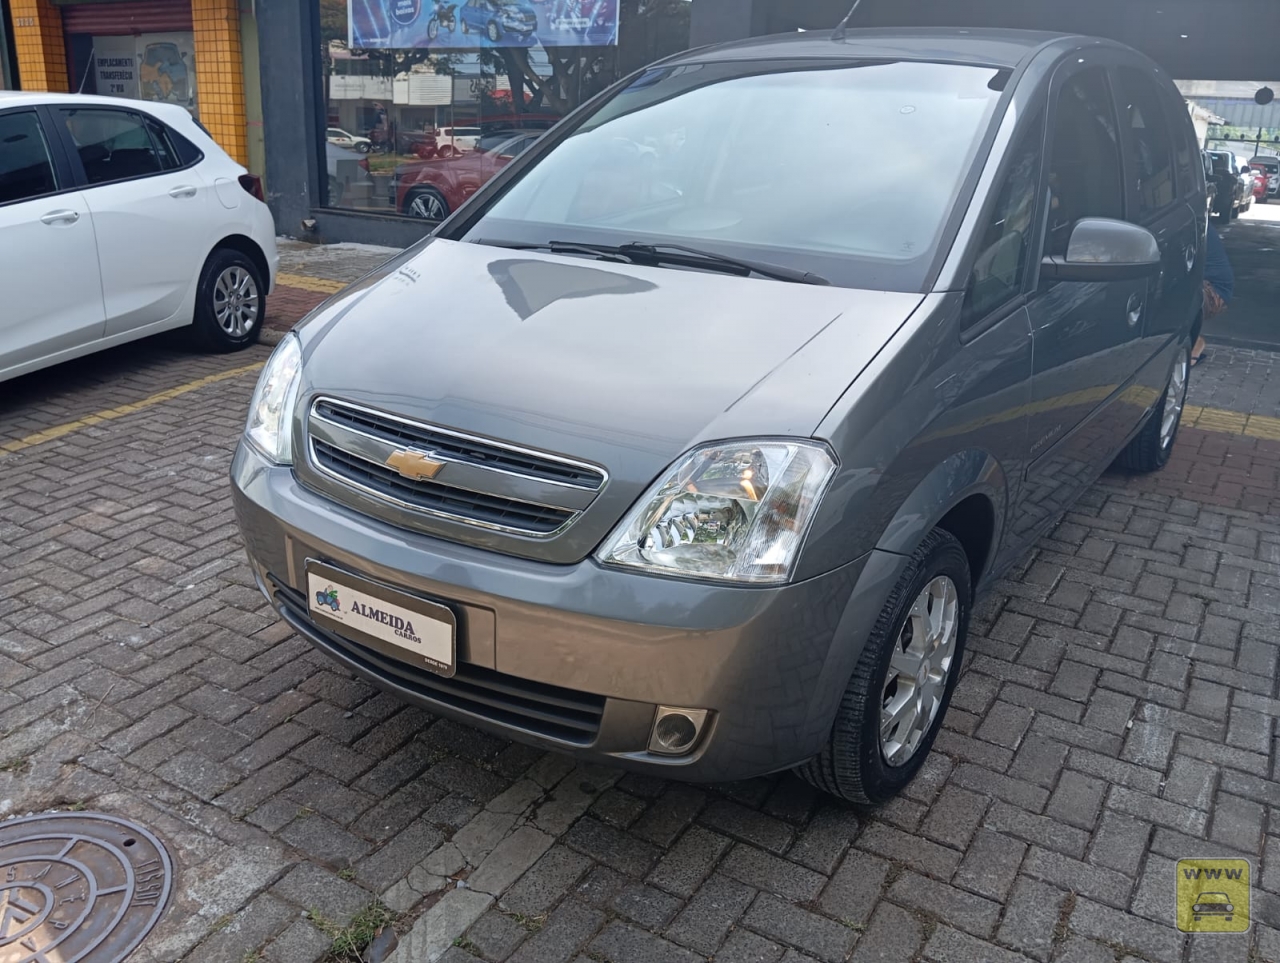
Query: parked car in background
{"x": 1231, "y": 186}
{"x": 643, "y": 459}
{"x": 434, "y": 189}
{"x": 1269, "y": 167}
{"x": 347, "y": 170}
{"x": 340, "y": 138}
{"x": 1258, "y": 183}
{"x": 1211, "y": 184}
{"x": 120, "y": 219}
{"x": 456, "y": 140}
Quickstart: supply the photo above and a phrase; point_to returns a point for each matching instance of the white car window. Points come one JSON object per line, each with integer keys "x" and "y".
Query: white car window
{"x": 25, "y": 168}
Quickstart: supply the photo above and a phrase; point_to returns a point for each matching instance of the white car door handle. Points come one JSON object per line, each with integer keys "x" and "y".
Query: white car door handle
{"x": 60, "y": 217}
{"x": 184, "y": 191}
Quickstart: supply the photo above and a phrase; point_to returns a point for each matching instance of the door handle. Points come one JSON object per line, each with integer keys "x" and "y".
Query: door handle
{"x": 1134, "y": 309}
{"x": 184, "y": 191}
{"x": 1191, "y": 253}
{"x": 60, "y": 217}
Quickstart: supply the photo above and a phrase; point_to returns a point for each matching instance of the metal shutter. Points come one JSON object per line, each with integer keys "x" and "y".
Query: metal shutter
{"x": 124, "y": 19}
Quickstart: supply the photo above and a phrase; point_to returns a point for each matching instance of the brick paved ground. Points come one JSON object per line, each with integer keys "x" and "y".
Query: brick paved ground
{"x": 1117, "y": 713}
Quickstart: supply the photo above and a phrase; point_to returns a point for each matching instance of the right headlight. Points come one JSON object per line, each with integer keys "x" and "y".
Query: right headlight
{"x": 270, "y": 425}
{"x": 736, "y": 512}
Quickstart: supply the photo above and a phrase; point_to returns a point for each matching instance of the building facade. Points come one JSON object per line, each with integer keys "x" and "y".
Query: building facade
{"x": 186, "y": 52}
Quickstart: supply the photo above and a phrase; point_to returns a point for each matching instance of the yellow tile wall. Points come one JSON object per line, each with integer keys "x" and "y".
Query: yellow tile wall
{"x": 42, "y": 51}
{"x": 219, "y": 73}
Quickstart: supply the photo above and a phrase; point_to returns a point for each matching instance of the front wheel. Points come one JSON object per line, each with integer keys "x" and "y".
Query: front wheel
{"x": 428, "y": 204}
{"x": 433, "y": 28}
{"x": 895, "y": 702}
{"x": 231, "y": 302}
{"x": 495, "y": 34}
{"x": 1151, "y": 447}
{"x": 364, "y": 147}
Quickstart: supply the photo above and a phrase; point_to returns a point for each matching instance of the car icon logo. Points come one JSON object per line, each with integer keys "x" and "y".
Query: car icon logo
{"x": 1213, "y": 904}
{"x": 328, "y": 597}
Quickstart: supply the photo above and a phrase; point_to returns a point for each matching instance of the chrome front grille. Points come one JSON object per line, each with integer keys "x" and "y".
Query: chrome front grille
{"x": 479, "y": 482}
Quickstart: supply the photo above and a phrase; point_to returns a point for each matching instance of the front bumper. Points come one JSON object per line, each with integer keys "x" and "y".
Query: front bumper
{"x": 577, "y": 658}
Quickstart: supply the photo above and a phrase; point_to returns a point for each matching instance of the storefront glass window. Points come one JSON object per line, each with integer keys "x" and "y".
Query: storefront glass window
{"x": 428, "y": 99}
{"x": 159, "y": 67}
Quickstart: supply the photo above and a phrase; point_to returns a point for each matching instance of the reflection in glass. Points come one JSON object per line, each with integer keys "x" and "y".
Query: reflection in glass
{"x": 428, "y": 99}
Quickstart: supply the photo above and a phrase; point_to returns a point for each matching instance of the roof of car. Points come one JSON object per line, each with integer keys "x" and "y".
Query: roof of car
{"x": 996, "y": 48}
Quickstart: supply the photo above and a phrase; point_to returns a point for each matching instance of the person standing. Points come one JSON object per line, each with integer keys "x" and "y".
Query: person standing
{"x": 1219, "y": 285}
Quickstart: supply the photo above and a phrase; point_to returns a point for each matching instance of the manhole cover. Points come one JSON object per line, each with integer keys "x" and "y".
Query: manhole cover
{"x": 78, "y": 888}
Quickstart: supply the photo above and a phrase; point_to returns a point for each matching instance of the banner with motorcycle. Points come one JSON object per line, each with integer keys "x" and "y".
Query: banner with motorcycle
{"x": 468, "y": 25}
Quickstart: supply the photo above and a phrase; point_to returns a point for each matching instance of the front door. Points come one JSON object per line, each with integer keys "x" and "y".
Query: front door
{"x": 149, "y": 214}
{"x": 49, "y": 276}
{"x": 1084, "y": 335}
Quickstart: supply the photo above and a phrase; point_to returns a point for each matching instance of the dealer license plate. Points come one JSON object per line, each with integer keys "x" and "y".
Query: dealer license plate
{"x": 395, "y": 623}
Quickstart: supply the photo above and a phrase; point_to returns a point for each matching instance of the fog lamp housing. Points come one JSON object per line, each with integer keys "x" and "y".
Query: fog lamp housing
{"x": 676, "y": 731}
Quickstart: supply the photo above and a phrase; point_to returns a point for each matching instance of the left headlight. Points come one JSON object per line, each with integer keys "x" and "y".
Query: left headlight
{"x": 270, "y": 425}
{"x": 737, "y": 512}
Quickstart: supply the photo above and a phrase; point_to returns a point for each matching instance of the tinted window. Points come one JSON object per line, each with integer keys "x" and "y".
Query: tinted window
{"x": 1085, "y": 173}
{"x": 1150, "y": 145}
{"x": 858, "y": 190}
{"x": 1185, "y": 149}
{"x": 113, "y": 145}
{"x": 1001, "y": 266}
{"x": 25, "y": 167}
{"x": 166, "y": 152}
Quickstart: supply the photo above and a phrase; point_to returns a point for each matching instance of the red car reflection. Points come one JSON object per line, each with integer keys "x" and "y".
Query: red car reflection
{"x": 434, "y": 189}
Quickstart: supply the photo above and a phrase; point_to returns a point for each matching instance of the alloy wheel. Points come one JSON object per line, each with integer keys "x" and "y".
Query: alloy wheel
{"x": 919, "y": 668}
{"x": 428, "y": 206}
{"x": 235, "y": 301}
{"x": 1174, "y": 400}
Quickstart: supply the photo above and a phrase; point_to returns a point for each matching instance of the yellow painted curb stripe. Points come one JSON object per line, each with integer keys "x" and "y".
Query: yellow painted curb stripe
{"x": 308, "y": 283}
{"x": 110, "y": 414}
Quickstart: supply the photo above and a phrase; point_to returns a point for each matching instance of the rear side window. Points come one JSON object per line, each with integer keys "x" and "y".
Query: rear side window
{"x": 114, "y": 145}
{"x": 1149, "y": 143}
{"x": 166, "y": 152}
{"x": 26, "y": 169}
{"x": 1085, "y": 174}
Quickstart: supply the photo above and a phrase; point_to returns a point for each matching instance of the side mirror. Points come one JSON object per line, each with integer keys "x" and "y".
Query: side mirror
{"x": 1105, "y": 250}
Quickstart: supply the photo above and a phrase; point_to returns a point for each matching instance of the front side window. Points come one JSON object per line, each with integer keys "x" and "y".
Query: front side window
{"x": 1085, "y": 173}
{"x": 114, "y": 145}
{"x": 1150, "y": 144}
{"x": 26, "y": 169}
{"x": 1001, "y": 265}
{"x": 848, "y": 171}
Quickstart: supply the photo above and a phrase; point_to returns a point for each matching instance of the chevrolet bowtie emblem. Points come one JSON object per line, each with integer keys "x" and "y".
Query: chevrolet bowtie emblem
{"x": 414, "y": 465}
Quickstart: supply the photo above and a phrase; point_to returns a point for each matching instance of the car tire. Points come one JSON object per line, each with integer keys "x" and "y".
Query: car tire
{"x": 230, "y": 284}
{"x": 493, "y": 31}
{"x": 433, "y": 28}
{"x": 853, "y": 765}
{"x": 363, "y": 147}
{"x": 1150, "y": 449}
{"x": 465, "y": 28}
{"x": 426, "y": 203}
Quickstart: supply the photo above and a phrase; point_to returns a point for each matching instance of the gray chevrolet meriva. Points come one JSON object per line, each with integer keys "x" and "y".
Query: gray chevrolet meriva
{"x": 686, "y": 448}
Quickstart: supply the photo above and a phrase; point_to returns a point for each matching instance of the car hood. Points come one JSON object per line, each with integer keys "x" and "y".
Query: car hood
{"x": 621, "y": 366}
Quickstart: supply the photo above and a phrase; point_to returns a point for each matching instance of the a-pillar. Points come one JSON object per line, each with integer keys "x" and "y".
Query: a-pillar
{"x": 220, "y": 74}
{"x": 41, "y": 49}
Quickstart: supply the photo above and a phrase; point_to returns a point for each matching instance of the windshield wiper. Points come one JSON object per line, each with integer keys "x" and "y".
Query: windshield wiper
{"x": 679, "y": 254}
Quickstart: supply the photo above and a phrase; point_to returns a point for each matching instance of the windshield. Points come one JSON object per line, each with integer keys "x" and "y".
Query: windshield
{"x": 848, "y": 171}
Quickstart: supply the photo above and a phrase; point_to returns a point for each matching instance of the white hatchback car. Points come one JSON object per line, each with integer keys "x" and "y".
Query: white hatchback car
{"x": 121, "y": 219}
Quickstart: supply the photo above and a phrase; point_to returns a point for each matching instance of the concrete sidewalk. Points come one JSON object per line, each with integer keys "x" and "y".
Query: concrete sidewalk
{"x": 309, "y": 273}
